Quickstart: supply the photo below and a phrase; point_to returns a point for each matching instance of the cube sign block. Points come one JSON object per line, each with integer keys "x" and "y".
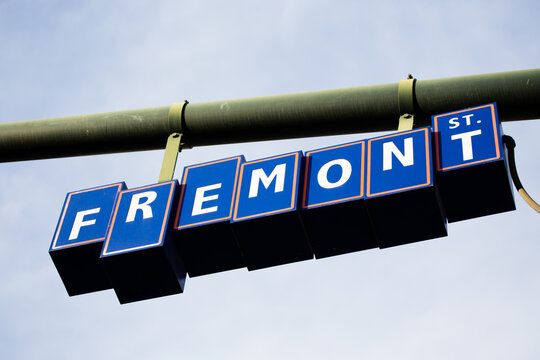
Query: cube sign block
{"x": 203, "y": 232}
{"x": 471, "y": 164}
{"x": 333, "y": 200}
{"x": 402, "y": 200}
{"x": 265, "y": 219}
{"x": 79, "y": 237}
{"x": 139, "y": 257}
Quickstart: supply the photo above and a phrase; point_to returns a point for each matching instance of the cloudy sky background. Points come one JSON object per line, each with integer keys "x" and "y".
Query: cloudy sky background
{"x": 473, "y": 294}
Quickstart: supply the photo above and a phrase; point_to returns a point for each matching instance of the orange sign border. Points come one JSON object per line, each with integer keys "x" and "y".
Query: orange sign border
{"x": 163, "y": 226}
{"x": 428, "y": 163}
{"x": 495, "y": 132}
{"x": 294, "y": 192}
{"x": 306, "y": 167}
{"x": 59, "y": 227}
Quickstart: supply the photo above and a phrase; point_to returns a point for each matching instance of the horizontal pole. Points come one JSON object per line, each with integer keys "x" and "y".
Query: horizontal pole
{"x": 317, "y": 113}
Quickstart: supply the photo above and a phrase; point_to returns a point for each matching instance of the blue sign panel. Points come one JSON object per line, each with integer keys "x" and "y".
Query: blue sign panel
{"x": 204, "y": 238}
{"x": 470, "y": 159}
{"x": 265, "y": 219}
{"x": 140, "y": 219}
{"x": 79, "y": 236}
{"x": 334, "y": 174}
{"x": 468, "y": 137}
{"x": 402, "y": 200}
{"x": 267, "y": 186}
{"x": 140, "y": 260}
{"x": 208, "y": 192}
{"x": 85, "y": 216}
{"x": 399, "y": 162}
{"x": 334, "y": 212}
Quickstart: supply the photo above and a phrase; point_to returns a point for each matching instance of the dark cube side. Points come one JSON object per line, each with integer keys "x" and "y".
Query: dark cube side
{"x": 266, "y": 221}
{"x": 407, "y": 217}
{"x": 138, "y": 255}
{"x": 333, "y": 200}
{"x": 470, "y": 159}
{"x": 339, "y": 228}
{"x": 402, "y": 200}
{"x": 273, "y": 240}
{"x": 202, "y": 230}
{"x": 146, "y": 274}
{"x": 475, "y": 191}
{"x": 80, "y": 269}
{"x": 78, "y": 239}
{"x": 209, "y": 248}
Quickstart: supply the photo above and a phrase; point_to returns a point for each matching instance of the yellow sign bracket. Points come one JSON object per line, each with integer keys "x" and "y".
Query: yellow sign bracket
{"x": 406, "y": 103}
{"x": 174, "y": 143}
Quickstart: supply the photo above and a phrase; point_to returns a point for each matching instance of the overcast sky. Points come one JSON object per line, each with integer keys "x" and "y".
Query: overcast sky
{"x": 471, "y": 295}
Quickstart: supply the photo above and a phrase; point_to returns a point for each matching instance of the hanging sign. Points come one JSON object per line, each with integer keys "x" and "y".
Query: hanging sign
{"x": 202, "y": 230}
{"x": 228, "y": 214}
{"x": 471, "y": 163}
{"x": 334, "y": 212}
{"x": 79, "y": 236}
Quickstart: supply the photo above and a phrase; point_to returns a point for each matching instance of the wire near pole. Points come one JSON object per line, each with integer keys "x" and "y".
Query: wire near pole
{"x": 510, "y": 145}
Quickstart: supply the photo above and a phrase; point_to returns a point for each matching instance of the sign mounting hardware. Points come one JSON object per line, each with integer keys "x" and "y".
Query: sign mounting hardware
{"x": 174, "y": 143}
{"x": 406, "y": 103}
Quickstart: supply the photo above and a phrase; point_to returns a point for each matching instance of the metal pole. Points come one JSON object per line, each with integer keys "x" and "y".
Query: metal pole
{"x": 329, "y": 112}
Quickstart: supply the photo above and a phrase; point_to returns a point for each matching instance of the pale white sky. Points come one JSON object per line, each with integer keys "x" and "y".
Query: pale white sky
{"x": 473, "y": 294}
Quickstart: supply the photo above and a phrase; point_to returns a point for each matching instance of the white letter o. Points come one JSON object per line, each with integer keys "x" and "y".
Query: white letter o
{"x": 322, "y": 176}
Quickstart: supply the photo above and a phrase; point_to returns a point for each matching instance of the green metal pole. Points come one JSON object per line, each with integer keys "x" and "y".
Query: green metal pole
{"x": 317, "y": 113}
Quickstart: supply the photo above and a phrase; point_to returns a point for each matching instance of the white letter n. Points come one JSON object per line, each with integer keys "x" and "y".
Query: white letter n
{"x": 390, "y": 148}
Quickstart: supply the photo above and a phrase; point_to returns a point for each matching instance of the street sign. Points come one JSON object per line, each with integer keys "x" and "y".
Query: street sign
{"x": 381, "y": 192}
{"x": 402, "y": 199}
{"x": 79, "y": 236}
{"x": 333, "y": 200}
{"x": 471, "y": 165}
{"x": 204, "y": 238}
{"x": 139, "y": 256}
{"x": 265, "y": 219}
